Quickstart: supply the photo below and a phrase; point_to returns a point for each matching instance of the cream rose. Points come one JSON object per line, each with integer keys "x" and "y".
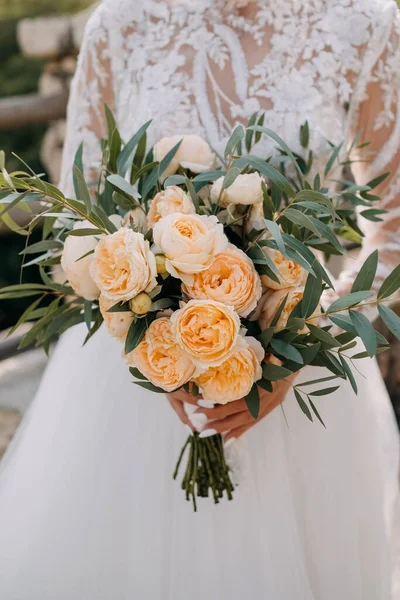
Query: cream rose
{"x": 123, "y": 265}
{"x": 194, "y": 154}
{"x": 270, "y": 302}
{"x": 76, "y": 268}
{"x": 231, "y": 279}
{"x": 189, "y": 242}
{"x": 291, "y": 274}
{"x": 207, "y": 330}
{"x": 137, "y": 218}
{"x": 160, "y": 358}
{"x": 234, "y": 378}
{"x": 171, "y": 200}
{"x": 117, "y": 323}
{"x": 246, "y": 189}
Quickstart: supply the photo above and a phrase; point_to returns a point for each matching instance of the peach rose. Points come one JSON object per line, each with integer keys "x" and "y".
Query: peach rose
{"x": 117, "y": 323}
{"x": 194, "y": 154}
{"x": 137, "y": 218}
{"x": 231, "y": 279}
{"x": 123, "y": 265}
{"x": 234, "y": 378}
{"x": 207, "y": 330}
{"x": 291, "y": 274}
{"x": 171, "y": 200}
{"x": 159, "y": 358}
{"x": 189, "y": 242}
{"x": 246, "y": 189}
{"x": 256, "y": 219}
{"x": 77, "y": 269}
{"x": 270, "y": 302}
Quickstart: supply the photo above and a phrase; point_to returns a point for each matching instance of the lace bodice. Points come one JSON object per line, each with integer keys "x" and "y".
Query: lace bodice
{"x": 201, "y": 66}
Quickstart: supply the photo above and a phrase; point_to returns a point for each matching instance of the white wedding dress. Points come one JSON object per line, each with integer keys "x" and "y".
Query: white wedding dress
{"x": 88, "y": 507}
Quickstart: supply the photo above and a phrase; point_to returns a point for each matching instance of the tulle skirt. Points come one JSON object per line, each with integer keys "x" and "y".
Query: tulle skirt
{"x": 89, "y": 510}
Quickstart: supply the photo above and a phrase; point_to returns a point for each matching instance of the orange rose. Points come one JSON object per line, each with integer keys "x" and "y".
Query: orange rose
{"x": 231, "y": 279}
{"x": 234, "y": 378}
{"x": 270, "y": 302}
{"x": 194, "y": 153}
{"x": 291, "y": 274}
{"x": 117, "y": 323}
{"x": 123, "y": 265}
{"x": 169, "y": 201}
{"x": 159, "y": 358}
{"x": 207, "y": 330}
{"x": 189, "y": 243}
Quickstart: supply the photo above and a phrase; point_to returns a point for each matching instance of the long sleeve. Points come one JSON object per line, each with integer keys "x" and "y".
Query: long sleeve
{"x": 91, "y": 88}
{"x": 377, "y": 114}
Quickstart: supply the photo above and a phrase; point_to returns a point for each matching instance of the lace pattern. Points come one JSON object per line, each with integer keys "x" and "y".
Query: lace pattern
{"x": 204, "y": 66}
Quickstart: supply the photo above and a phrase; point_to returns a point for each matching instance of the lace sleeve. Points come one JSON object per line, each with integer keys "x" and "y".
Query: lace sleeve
{"x": 377, "y": 115}
{"x": 91, "y": 88}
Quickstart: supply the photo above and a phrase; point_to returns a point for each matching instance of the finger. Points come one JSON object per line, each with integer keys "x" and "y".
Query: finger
{"x": 222, "y": 411}
{"x": 184, "y": 396}
{"x": 177, "y": 405}
{"x": 234, "y": 434}
{"x": 231, "y": 422}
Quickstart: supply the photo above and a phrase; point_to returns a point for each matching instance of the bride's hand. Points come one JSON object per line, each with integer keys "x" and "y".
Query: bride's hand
{"x": 232, "y": 419}
{"x": 178, "y": 400}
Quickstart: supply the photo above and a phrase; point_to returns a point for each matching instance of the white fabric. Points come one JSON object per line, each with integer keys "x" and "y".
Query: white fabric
{"x": 88, "y": 508}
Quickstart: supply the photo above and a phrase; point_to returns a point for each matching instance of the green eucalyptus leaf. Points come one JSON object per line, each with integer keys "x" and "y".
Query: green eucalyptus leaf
{"x": 304, "y": 135}
{"x": 266, "y": 336}
{"x": 273, "y": 174}
{"x": 312, "y": 295}
{"x": 316, "y": 413}
{"x": 236, "y": 137}
{"x": 303, "y": 405}
{"x": 126, "y": 155}
{"x": 325, "y": 391}
{"x": 349, "y": 374}
{"x": 150, "y": 387}
{"x": 274, "y": 372}
{"x": 348, "y": 301}
{"x": 365, "y": 330}
{"x": 82, "y": 190}
{"x": 85, "y": 231}
{"x": 253, "y": 401}
{"x": 136, "y": 373}
{"x": 309, "y": 353}
{"x": 332, "y": 159}
{"x": 230, "y": 177}
{"x": 366, "y": 275}
{"x": 286, "y": 350}
{"x": 135, "y": 335}
{"x": 391, "y": 284}
{"x": 122, "y": 186}
{"x": 324, "y": 336}
{"x": 265, "y": 385}
{"x": 391, "y": 320}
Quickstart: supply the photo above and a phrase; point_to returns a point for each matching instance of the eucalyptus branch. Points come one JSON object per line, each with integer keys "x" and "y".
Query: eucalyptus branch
{"x": 354, "y": 307}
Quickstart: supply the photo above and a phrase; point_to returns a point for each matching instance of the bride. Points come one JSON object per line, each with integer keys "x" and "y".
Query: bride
{"x": 88, "y": 508}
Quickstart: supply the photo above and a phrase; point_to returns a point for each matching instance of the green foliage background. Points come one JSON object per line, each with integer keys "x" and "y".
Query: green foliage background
{"x": 19, "y": 75}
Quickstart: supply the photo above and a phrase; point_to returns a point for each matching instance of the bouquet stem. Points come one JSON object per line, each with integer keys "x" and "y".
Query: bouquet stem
{"x": 206, "y": 469}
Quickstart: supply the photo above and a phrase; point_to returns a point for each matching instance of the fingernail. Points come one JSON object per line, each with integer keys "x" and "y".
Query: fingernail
{"x": 207, "y": 433}
{"x": 189, "y": 408}
{"x": 205, "y": 403}
{"x": 229, "y": 443}
{"x": 189, "y": 429}
{"x": 198, "y": 420}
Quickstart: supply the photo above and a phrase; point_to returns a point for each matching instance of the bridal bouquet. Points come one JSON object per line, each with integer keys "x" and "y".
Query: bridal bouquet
{"x": 205, "y": 267}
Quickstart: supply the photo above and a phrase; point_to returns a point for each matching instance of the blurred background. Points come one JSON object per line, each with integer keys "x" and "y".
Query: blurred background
{"x": 39, "y": 43}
